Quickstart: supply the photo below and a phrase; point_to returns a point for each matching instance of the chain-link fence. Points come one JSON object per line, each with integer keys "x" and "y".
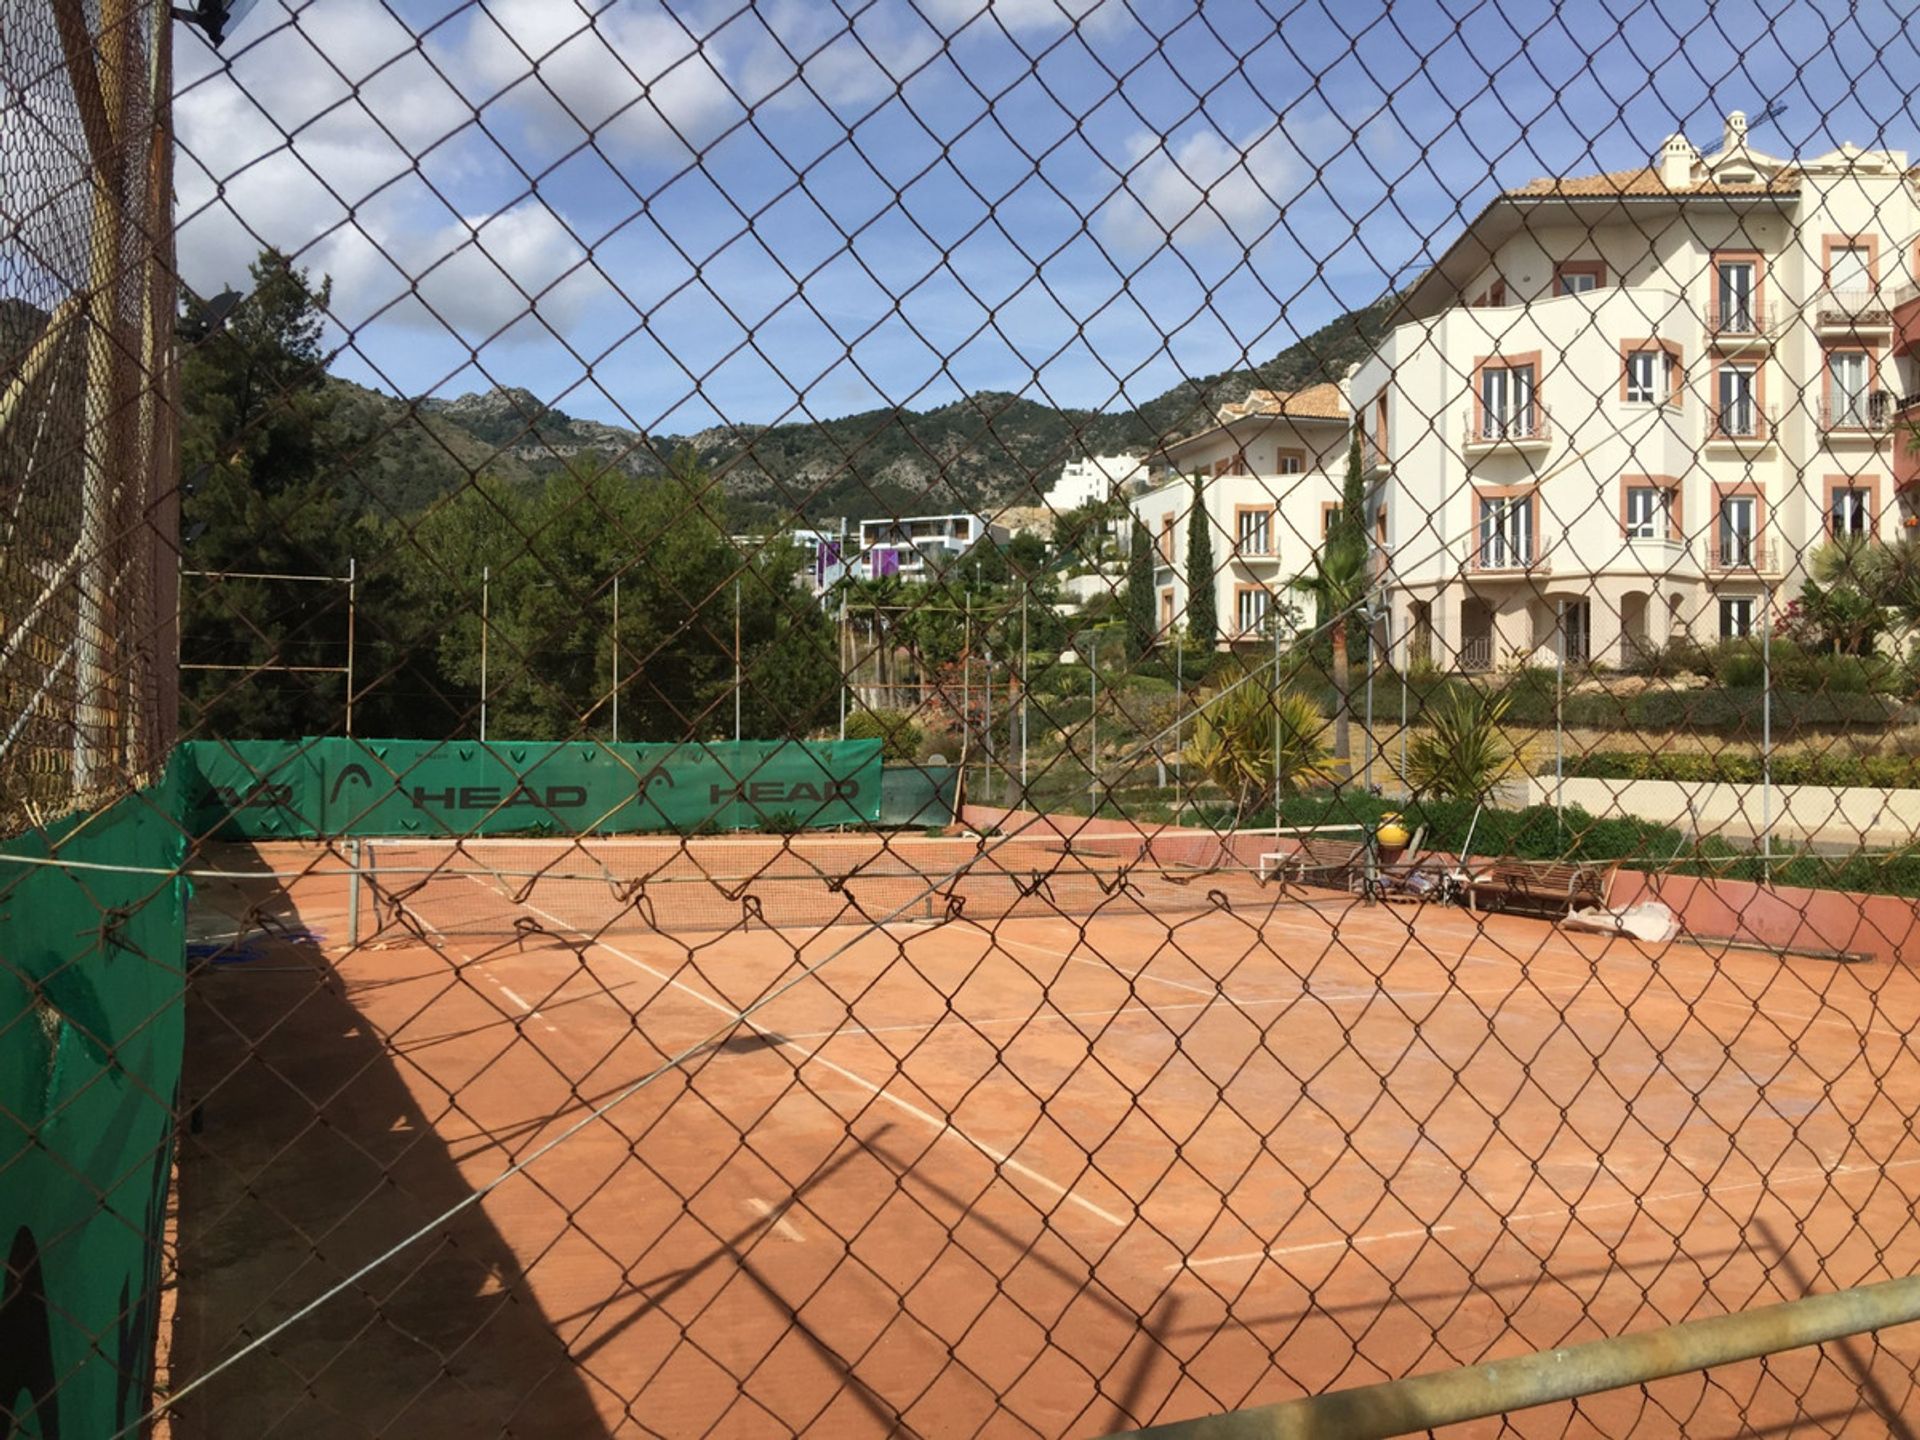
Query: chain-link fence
{"x": 958, "y": 719}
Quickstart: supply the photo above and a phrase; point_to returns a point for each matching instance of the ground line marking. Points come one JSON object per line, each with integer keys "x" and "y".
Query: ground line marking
{"x": 1000, "y": 1159}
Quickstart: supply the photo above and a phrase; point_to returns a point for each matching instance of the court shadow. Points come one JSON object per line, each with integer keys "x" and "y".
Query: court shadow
{"x": 307, "y": 1158}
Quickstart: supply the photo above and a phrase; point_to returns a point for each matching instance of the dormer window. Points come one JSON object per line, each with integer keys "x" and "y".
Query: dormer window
{"x": 1577, "y": 277}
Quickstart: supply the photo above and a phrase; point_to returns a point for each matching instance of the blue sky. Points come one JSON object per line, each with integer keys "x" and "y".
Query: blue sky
{"x": 672, "y": 214}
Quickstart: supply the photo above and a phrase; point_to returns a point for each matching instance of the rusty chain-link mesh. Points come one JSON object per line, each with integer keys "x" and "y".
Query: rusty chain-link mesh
{"x": 86, "y": 413}
{"x": 953, "y": 718}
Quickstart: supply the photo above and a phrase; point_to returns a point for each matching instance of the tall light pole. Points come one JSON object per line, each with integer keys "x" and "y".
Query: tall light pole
{"x": 486, "y": 585}
{"x": 1025, "y": 591}
{"x": 1766, "y": 738}
{"x": 1273, "y": 691}
{"x": 736, "y": 659}
{"x": 1559, "y": 702}
{"x": 616, "y": 659}
{"x": 1093, "y": 722}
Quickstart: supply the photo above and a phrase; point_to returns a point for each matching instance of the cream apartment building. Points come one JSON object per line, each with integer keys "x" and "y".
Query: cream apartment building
{"x": 1628, "y": 406}
{"x": 1270, "y": 470}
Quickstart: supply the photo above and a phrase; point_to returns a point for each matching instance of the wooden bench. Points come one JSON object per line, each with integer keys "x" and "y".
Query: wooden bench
{"x": 1333, "y": 863}
{"x": 1554, "y": 884}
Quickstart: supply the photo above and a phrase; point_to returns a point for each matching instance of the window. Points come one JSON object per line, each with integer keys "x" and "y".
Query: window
{"x": 1649, "y": 512}
{"x": 1290, "y": 462}
{"x": 1849, "y": 267}
{"x": 1847, "y": 388}
{"x": 1166, "y": 610}
{"x": 1166, "y": 539}
{"x": 1737, "y": 514}
{"x": 1739, "y": 415}
{"x": 1850, "y": 511}
{"x": 1506, "y": 401}
{"x": 1653, "y": 377}
{"x": 1380, "y": 430}
{"x": 1506, "y": 532}
{"x": 1736, "y": 618}
{"x": 1250, "y": 610}
{"x": 1578, "y": 277}
{"x": 1329, "y": 518}
{"x": 1254, "y": 530}
{"x": 1735, "y": 311}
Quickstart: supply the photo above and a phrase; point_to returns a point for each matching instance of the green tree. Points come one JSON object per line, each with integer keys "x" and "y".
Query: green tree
{"x": 263, "y": 495}
{"x": 1142, "y": 622}
{"x": 1339, "y": 581}
{"x": 1350, "y": 531}
{"x": 1247, "y": 734}
{"x": 1851, "y": 586}
{"x": 1203, "y": 623}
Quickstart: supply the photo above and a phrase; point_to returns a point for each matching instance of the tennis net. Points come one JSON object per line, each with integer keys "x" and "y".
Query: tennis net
{"x": 671, "y": 885}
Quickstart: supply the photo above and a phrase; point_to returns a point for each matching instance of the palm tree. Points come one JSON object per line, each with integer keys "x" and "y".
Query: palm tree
{"x": 1339, "y": 582}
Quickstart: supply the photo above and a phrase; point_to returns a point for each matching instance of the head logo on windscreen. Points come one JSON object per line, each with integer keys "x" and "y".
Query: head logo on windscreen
{"x": 357, "y": 773}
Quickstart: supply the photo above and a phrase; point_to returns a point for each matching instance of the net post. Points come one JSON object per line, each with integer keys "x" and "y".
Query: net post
{"x": 353, "y": 891}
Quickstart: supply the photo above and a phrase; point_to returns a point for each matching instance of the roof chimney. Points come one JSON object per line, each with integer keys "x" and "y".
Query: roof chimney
{"x": 1736, "y": 130}
{"x": 1676, "y": 162}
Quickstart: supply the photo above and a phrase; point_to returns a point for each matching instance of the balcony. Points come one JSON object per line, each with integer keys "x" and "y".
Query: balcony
{"x": 1484, "y": 434}
{"x": 1744, "y": 426}
{"x": 1505, "y": 558}
{"x": 1853, "y": 309}
{"x": 1740, "y": 326}
{"x": 1867, "y": 416}
{"x": 1743, "y": 557}
{"x": 1661, "y": 555}
{"x": 1905, "y": 424}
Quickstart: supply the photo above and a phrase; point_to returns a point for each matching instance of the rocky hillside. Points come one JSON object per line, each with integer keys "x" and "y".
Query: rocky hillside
{"x": 985, "y": 451}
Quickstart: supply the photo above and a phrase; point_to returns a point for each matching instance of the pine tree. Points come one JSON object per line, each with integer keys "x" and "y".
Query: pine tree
{"x": 1141, "y": 623}
{"x": 1203, "y": 622}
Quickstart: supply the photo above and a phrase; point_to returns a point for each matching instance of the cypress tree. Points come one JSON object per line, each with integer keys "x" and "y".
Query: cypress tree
{"x": 1141, "y": 622}
{"x": 1203, "y": 621}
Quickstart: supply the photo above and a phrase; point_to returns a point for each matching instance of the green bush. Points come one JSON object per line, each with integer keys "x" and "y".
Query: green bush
{"x": 1795, "y": 767}
{"x": 899, "y": 737}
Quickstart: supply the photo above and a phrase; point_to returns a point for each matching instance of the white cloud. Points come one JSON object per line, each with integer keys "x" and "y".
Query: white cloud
{"x": 631, "y": 77}
{"x": 1198, "y": 188}
{"x": 1025, "y": 16}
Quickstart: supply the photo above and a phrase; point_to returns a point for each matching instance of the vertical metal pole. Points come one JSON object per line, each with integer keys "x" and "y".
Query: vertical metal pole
{"x": 1023, "y": 691}
{"x": 1766, "y": 738}
{"x": 966, "y": 680}
{"x": 1093, "y": 721}
{"x": 1273, "y": 691}
{"x": 840, "y": 559}
{"x": 353, "y": 890}
{"x": 1406, "y": 661}
{"x": 986, "y": 720}
{"x": 616, "y": 659}
{"x": 1372, "y": 620}
{"x": 736, "y": 659}
{"x": 353, "y": 583}
{"x": 486, "y": 586}
{"x": 1559, "y": 736}
{"x": 1179, "y": 718}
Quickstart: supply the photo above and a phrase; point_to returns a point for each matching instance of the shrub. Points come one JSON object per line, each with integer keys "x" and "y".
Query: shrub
{"x": 1462, "y": 752}
{"x": 899, "y": 737}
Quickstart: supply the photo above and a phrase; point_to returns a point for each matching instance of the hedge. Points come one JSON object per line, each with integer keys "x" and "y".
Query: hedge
{"x": 1890, "y": 772}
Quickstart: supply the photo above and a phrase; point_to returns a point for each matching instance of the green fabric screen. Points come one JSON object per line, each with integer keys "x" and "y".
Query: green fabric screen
{"x": 340, "y": 787}
{"x": 92, "y": 971}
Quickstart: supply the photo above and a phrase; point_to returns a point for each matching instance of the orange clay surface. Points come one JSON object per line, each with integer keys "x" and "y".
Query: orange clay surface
{"x": 1042, "y": 1175}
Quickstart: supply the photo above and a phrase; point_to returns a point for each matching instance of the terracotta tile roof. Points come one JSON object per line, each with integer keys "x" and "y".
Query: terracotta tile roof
{"x": 1646, "y": 181}
{"x": 1316, "y": 402}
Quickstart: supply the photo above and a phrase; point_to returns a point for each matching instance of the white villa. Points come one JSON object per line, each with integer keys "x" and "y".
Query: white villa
{"x": 1620, "y": 408}
{"x": 1637, "y": 401}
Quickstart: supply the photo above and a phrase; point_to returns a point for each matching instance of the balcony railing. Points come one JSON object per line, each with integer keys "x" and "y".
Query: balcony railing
{"x": 1757, "y": 557}
{"x": 1503, "y": 557}
{"x": 1476, "y": 653}
{"x": 1742, "y": 424}
{"x": 1742, "y": 322}
{"x": 1853, "y": 308}
{"x": 1872, "y": 412}
{"x": 1253, "y": 549}
{"x": 1532, "y": 426}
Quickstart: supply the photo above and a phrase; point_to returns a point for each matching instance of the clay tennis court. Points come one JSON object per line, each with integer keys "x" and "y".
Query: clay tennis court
{"x": 1202, "y": 1142}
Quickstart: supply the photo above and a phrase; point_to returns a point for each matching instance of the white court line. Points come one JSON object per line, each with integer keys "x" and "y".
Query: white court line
{"x": 1275, "y": 1252}
{"x": 774, "y": 1218}
{"x": 1000, "y": 1158}
{"x": 508, "y": 992}
{"x": 1536, "y": 963}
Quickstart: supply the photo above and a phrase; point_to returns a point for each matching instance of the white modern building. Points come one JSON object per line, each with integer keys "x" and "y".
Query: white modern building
{"x": 1627, "y": 407}
{"x": 1094, "y": 479}
{"x": 1269, "y": 473}
{"x": 919, "y": 547}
